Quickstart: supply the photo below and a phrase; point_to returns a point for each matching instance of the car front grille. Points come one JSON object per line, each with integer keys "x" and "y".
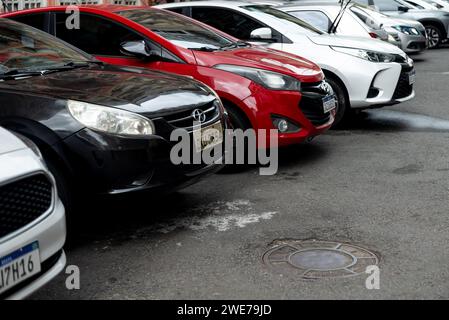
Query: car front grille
{"x": 185, "y": 119}
{"x": 311, "y": 103}
{"x": 403, "y": 88}
{"x": 23, "y": 201}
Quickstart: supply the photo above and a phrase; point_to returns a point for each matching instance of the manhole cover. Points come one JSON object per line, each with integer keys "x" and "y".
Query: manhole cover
{"x": 314, "y": 259}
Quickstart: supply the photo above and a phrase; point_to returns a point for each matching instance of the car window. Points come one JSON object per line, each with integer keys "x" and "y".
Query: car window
{"x": 177, "y": 29}
{"x": 96, "y": 35}
{"x": 35, "y": 20}
{"x": 23, "y": 47}
{"x": 317, "y": 19}
{"x": 228, "y": 21}
{"x": 268, "y": 12}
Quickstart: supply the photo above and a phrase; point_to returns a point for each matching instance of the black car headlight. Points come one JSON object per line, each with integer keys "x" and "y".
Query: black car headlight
{"x": 110, "y": 120}
{"x": 407, "y": 30}
{"x": 268, "y": 79}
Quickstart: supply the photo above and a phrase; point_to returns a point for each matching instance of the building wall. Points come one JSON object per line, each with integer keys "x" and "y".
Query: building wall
{"x": 25, "y": 4}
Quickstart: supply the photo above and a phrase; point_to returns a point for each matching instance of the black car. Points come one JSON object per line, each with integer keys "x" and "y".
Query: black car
{"x": 101, "y": 128}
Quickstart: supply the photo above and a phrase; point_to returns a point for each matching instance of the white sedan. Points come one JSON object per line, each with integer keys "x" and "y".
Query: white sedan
{"x": 32, "y": 219}
{"x": 364, "y": 73}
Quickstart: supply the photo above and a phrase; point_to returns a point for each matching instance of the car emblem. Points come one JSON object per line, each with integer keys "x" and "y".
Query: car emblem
{"x": 199, "y": 115}
{"x": 326, "y": 87}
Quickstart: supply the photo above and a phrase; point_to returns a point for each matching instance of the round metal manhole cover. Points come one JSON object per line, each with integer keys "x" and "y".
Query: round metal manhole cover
{"x": 312, "y": 259}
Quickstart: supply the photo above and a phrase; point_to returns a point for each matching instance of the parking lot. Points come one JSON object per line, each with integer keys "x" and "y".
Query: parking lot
{"x": 381, "y": 183}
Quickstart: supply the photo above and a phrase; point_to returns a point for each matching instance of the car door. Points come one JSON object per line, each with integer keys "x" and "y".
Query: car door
{"x": 103, "y": 37}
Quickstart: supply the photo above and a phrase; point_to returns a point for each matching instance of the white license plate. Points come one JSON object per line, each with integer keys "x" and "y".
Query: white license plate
{"x": 208, "y": 137}
{"x": 19, "y": 266}
{"x": 329, "y": 103}
{"x": 411, "y": 77}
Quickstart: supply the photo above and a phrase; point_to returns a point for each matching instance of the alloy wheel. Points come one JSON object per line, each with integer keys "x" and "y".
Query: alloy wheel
{"x": 433, "y": 36}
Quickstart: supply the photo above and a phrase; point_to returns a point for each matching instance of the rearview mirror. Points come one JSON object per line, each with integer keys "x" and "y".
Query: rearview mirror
{"x": 138, "y": 49}
{"x": 261, "y": 34}
{"x": 403, "y": 9}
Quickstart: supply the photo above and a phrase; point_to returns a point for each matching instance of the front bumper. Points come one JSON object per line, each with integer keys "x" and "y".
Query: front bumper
{"x": 301, "y": 112}
{"x": 413, "y": 43}
{"x": 107, "y": 164}
{"x": 50, "y": 233}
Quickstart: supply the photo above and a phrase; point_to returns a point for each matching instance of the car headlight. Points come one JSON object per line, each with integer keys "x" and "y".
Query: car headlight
{"x": 268, "y": 79}
{"x": 110, "y": 120}
{"x": 366, "y": 54}
{"x": 407, "y": 30}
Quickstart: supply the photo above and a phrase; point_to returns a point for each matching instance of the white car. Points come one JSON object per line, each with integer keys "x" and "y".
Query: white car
{"x": 32, "y": 219}
{"x": 364, "y": 73}
{"x": 362, "y": 21}
{"x": 429, "y": 4}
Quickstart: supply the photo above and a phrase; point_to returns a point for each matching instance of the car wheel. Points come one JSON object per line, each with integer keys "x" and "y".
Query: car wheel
{"x": 342, "y": 101}
{"x": 434, "y": 35}
{"x": 238, "y": 121}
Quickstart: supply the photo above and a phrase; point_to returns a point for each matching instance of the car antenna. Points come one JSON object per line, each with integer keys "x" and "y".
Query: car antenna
{"x": 339, "y": 16}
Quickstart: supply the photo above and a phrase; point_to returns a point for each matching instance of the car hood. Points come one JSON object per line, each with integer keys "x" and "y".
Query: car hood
{"x": 403, "y": 22}
{"x": 355, "y": 42}
{"x": 9, "y": 142}
{"x": 417, "y": 14}
{"x": 133, "y": 89}
{"x": 263, "y": 58}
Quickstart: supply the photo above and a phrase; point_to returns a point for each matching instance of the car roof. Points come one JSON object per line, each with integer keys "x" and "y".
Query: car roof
{"x": 102, "y": 7}
{"x": 234, "y": 4}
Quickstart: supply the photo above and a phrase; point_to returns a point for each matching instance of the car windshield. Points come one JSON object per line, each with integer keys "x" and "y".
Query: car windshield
{"x": 178, "y": 30}
{"x": 28, "y": 49}
{"x": 263, "y": 11}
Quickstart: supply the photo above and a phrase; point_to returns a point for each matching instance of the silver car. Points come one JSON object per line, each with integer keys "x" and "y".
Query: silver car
{"x": 436, "y": 22}
{"x": 362, "y": 21}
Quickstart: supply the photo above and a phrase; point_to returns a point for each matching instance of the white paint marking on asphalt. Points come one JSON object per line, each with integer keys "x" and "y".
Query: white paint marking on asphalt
{"x": 411, "y": 120}
{"x": 220, "y": 215}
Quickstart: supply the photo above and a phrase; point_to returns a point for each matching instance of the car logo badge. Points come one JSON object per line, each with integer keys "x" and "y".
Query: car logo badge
{"x": 199, "y": 115}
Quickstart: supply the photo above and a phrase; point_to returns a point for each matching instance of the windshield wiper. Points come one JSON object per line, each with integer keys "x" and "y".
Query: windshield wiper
{"x": 336, "y": 22}
{"x": 15, "y": 73}
{"x": 205, "y": 49}
{"x": 234, "y": 45}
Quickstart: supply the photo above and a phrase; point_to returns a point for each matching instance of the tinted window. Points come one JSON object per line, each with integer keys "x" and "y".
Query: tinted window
{"x": 177, "y": 29}
{"x": 390, "y": 5}
{"x": 266, "y": 12}
{"x": 228, "y": 21}
{"x": 23, "y": 47}
{"x": 315, "y": 18}
{"x": 96, "y": 35}
{"x": 35, "y": 20}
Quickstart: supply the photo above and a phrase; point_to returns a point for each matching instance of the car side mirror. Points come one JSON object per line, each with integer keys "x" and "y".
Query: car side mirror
{"x": 139, "y": 49}
{"x": 261, "y": 34}
{"x": 403, "y": 9}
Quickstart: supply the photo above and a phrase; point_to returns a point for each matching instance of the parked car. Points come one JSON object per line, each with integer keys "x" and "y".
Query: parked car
{"x": 101, "y": 128}
{"x": 360, "y": 20}
{"x": 32, "y": 220}
{"x": 435, "y": 21}
{"x": 424, "y": 4}
{"x": 260, "y": 88}
{"x": 322, "y": 16}
{"x": 364, "y": 73}
{"x": 439, "y": 4}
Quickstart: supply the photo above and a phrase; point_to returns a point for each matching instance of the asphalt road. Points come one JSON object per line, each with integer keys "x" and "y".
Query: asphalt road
{"x": 381, "y": 183}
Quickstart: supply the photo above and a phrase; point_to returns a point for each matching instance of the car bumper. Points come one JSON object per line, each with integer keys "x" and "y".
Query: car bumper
{"x": 413, "y": 44}
{"x": 107, "y": 164}
{"x": 379, "y": 85}
{"x": 50, "y": 234}
{"x": 301, "y": 112}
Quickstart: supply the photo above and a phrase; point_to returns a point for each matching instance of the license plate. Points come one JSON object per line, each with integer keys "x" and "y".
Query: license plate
{"x": 329, "y": 103}
{"x": 19, "y": 266}
{"x": 208, "y": 137}
{"x": 411, "y": 77}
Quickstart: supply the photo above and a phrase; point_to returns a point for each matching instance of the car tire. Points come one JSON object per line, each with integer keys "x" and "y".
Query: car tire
{"x": 435, "y": 35}
{"x": 342, "y": 100}
{"x": 238, "y": 121}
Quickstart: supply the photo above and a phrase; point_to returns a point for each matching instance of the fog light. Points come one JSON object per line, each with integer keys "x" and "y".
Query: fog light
{"x": 282, "y": 126}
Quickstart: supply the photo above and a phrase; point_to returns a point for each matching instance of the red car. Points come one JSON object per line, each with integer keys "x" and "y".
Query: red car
{"x": 260, "y": 88}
